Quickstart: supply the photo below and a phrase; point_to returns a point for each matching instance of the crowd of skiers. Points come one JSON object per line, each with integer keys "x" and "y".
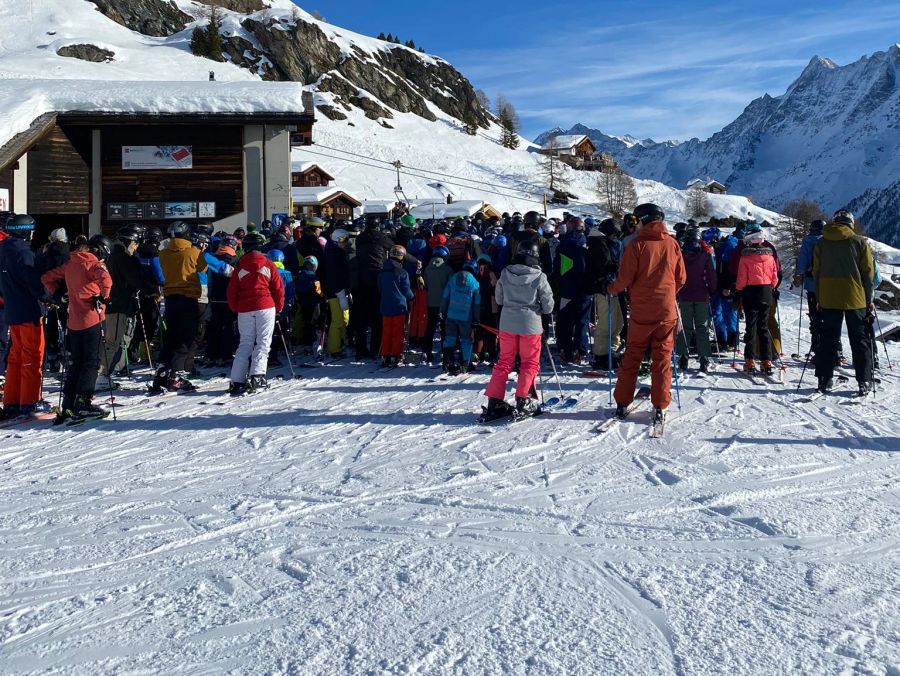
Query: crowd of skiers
{"x": 614, "y": 292}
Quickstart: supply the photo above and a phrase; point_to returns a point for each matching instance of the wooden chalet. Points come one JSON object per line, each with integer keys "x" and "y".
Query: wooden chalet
{"x": 309, "y": 175}
{"x": 709, "y": 185}
{"x": 93, "y": 171}
{"x": 324, "y": 202}
{"x": 579, "y": 152}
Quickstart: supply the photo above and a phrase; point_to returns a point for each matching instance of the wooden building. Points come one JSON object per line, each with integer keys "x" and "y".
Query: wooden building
{"x": 324, "y": 202}
{"x": 569, "y": 146}
{"x": 95, "y": 170}
{"x": 710, "y": 185}
{"x": 309, "y": 175}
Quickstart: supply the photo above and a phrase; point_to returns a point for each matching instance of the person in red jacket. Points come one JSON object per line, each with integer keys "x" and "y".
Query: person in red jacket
{"x": 256, "y": 294}
{"x": 652, "y": 270}
{"x": 757, "y": 278}
{"x": 89, "y": 286}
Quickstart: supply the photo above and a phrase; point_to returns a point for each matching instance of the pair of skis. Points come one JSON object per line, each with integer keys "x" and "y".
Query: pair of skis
{"x": 551, "y": 405}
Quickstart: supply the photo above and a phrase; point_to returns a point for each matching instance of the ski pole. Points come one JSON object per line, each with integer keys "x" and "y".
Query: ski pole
{"x": 800, "y": 328}
{"x": 609, "y": 346}
{"x": 63, "y": 340}
{"x": 284, "y": 344}
{"x": 736, "y": 341}
{"x": 555, "y": 372}
{"x": 144, "y": 333}
{"x": 883, "y": 343}
{"x": 803, "y": 372}
{"x": 711, "y": 328}
{"x": 778, "y": 319}
{"x": 112, "y": 400}
{"x": 677, "y": 383}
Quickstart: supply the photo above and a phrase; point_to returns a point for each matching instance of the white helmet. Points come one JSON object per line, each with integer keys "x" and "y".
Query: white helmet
{"x": 59, "y": 235}
{"x": 340, "y": 235}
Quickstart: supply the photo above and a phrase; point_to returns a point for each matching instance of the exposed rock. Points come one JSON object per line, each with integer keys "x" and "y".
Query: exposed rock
{"x": 159, "y": 18}
{"x": 330, "y": 112}
{"x": 301, "y": 53}
{"x": 241, "y": 52}
{"x": 87, "y": 52}
{"x": 244, "y": 6}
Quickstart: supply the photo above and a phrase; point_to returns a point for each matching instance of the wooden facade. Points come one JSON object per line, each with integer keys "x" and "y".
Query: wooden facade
{"x": 312, "y": 177}
{"x": 59, "y": 178}
{"x": 340, "y": 205}
{"x": 217, "y": 174}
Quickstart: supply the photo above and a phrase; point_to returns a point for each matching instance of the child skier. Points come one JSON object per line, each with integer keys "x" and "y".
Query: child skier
{"x": 757, "y": 277}
{"x": 461, "y": 309}
{"x": 393, "y": 284}
{"x": 524, "y": 295}
{"x": 284, "y": 319}
{"x": 89, "y": 285}
{"x": 256, "y": 294}
{"x": 310, "y": 311}
{"x": 418, "y": 313}
{"x": 485, "y": 338}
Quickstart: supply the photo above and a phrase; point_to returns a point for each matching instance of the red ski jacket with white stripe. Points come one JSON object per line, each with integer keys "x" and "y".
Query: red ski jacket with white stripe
{"x": 255, "y": 285}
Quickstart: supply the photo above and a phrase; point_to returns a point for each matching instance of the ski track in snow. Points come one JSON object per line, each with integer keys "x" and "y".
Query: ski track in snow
{"x": 354, "y": 522}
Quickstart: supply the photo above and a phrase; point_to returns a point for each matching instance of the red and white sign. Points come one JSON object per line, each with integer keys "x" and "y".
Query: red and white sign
{"x": 144, "y": 158}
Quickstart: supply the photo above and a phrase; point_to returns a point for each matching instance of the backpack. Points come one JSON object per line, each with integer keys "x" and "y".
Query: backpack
{"x": 460, "y": 251}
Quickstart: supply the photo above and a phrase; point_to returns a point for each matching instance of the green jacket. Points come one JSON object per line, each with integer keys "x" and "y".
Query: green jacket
{"x": 843, "y": 269}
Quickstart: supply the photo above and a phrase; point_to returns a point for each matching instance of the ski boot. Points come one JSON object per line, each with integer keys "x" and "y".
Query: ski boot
{"x": 526, "y": 407}
{"x": 824, "y": 384}
{"x": 258, "y": 383}
{"x": 704, "y": 364}
{"x": 865, "y": 389}
{"x": 621, "y": 412}
{"x": 160, "y": 378}
{"x": 766, "y": 367}
{"x": 659, "y": 423}
{"x": 85, "y": 408}
{"x": 237, "y": 389}
{"x": 683, "y": 363}
{"x": 750, "y": 366}
{"x": 179, "y": 381}
{"x": 495, "y": 409}
{"x": 386, "y": 362}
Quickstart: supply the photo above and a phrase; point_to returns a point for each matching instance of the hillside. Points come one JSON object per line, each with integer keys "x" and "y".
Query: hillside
{"x": 381, "y": 101}
{"x": 831, "y": 136}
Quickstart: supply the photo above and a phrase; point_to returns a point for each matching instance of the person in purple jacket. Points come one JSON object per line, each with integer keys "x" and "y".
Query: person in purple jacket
{"x": 693, "y": 300}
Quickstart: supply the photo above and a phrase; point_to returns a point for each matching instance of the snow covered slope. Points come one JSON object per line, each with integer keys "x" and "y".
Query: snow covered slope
{"x": 361, "y": 523}
{"x": 832, "y": 137}
{"x": 379, "y": 101}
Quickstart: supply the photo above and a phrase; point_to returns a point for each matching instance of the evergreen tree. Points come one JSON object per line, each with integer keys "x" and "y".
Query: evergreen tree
{"x": 389, "y": 38}
{"x": 509, "y": 121}
{"x": 381, "y": 36}
{"x": 470, "y": 124}
{"x": 397, "y": 40}
{"x": 207, "y": 42}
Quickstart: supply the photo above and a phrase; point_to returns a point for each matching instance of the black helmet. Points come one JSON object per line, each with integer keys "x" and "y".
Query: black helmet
{"x": 529, "y": 254}
{"x": 130, "y": 233}
{"x": 253, "y": 241}
{"x": 203, "y": 229}
{"x": 691, "y": 235}
{"x": 817, "y": 226}
{"x": 20, "y": 226}
{"x": 179, "y": 229}
{"x": 532, "y": 220}
{"x": 153, "y": 235}
{"x": 459, "y": 225}
{"x": 648, "y": 213}
{"x": 681, "y": 227}
{"x": 102, "y": 246}
{"x": 200, "y": 239}
{"x": 609, "y": 227}
{"x": 844, "y": 217}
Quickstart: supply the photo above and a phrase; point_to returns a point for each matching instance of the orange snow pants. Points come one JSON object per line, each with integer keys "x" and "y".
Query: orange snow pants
{"x": 660, "y": 338}
{"x": 23, "y": 370}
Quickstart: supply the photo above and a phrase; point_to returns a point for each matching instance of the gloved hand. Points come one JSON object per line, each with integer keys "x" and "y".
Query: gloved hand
{"x": 99, "y": 302}
{"x": 798, "y": 280}
{"x": 776, "y": 294}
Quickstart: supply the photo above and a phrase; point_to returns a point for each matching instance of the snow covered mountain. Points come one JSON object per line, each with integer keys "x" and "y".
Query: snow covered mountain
{"x": 378, "y": 102}
{"x": 832, "y": 136}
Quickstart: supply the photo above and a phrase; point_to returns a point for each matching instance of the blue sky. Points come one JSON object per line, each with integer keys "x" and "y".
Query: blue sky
{"x": 649, "y": 68}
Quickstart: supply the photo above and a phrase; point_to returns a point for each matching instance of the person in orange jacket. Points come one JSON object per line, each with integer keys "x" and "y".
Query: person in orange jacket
{"x": 757, "y": 277}
{"x": 89, "y": 285}
{"x": 652, "y": 270}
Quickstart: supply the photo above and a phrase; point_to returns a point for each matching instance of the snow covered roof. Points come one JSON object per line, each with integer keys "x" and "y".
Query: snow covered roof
{"x": 318, "y": 195}
{"x": 461, "y": 209}
{"x": 304, "y": 167}
{"x": 27, "y": 100}
{"x": 705, "y": 183}
{"x": 564, "y": 141}
{"x": 376, "y": 207}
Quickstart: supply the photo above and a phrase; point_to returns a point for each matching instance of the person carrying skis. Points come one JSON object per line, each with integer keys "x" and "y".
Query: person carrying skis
{"x": 461, "y": 309}
{"x": 757, "y": 278}
{"x": 652, "y": 270}
{"x": 437, "y": 273}
{"x": 181, "y": 264}
{"x": 90, "y": 286}
{"x": 524, "y": 296}
{"x": 395, "y": 292}
{"x": 256, "y": 294}
{"x": 693, "y": 300}
{"x": 843, "y": 274}
{"x": 804, "y": 278}
{"x": 23, "y": 293}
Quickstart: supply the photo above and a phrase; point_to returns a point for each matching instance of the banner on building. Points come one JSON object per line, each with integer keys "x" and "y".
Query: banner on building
{"x": 142, "y": 158}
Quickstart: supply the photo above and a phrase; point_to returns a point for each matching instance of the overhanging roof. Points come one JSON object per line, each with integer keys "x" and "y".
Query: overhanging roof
{"x": 19, "y": 144}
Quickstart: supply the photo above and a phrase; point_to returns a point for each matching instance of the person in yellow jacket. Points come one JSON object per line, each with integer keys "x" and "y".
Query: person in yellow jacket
{"x": 843, "y": 273}
{"x": 180, "y": 262}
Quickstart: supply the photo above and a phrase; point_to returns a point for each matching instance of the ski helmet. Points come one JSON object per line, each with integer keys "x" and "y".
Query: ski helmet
{"x": 311, "y": 261}
{"x": 470, "y": 266}
{"x": 102, "y": 246}
{"x": 408, "y": 220}
{"x": 817, "y": 226}
{"x": 128, "y": 234}
{"x": 533, "y": 220}
{"x": 254, "y": 241}
{"x": 649, "y": 213}
{"x": 314, "y": 222}
{"x": 844, "y": 217}
{"x": 21, "y": 226}
{"x": 276, "y": 256}
{"x": 340, "y": 235}
{"x": 459, "y": 225}
{"x": 59, "y": 235}
{"x": 397, "y": 252}
{"x": 199, "y": 239}
{"x": 154, "y": 235}
{"x": 204, "y": 228}
{"x": 484, "y": 258}
{"x": 528, "y": 254}
{"x": 711, "y": 235}
{"x": 179, "y": 229}
{"x": 440, "y": 252}
{"x": 609, "y": 227}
